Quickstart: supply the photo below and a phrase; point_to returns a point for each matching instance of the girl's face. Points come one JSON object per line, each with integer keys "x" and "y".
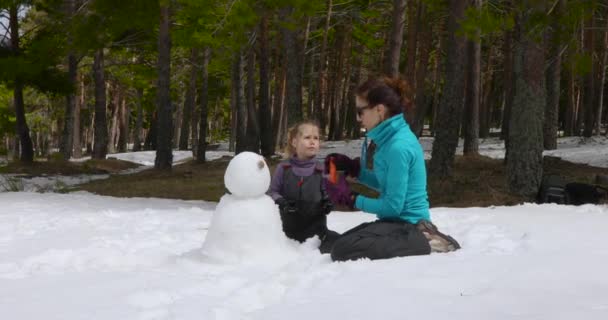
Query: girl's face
{"x": 369, "y": 116}
{"x": 306, "y": 143}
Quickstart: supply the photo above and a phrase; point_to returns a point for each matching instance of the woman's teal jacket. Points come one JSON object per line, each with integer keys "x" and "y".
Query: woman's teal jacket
{"x": 398, "y": 173}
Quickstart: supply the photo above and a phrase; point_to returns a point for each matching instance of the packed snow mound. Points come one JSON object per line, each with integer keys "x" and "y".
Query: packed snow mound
{"x": 248, "y": 231}
{"x": 247, "y": 175}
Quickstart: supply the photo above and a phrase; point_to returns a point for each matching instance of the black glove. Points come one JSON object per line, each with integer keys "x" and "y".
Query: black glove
{"x": 326, "y": 206}
{"x": 351, "y": 167}
{"x": 286, "y": 207}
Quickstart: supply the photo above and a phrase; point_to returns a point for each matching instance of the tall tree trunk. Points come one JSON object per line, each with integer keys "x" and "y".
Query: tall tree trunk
{"x": 26, "y": 154}
{"x": 115, "y": 112}
{"x": 570, "y": 114}
{"x": 437, "y": 72}
{"x": 253, "y": 131}
{"x": 319, "y": 106}
{"x": 240, "y": 115}
{"x": 602, "y": 85}
{"x": 177, "y": 119}
{"x": 189, "y": 102}
{"x": 336, "y": 91}
{"x": 412, "y": 35}
{"x": 550, "y": 126}
{"x": 77, "y": 132}
{"x": 450, "y": 109}
{"x": 164, "y": 152}
{"x": 351, "y": 119}
{"x": 589, "y": 81}
{"x": 293, "y": 90}
{"x": 266, "y": 132}
{"x": 525, "y": 160}
{"x": 277, "y": 101}
{"x": 123, "y": 128}
{"x": 473, "y": 74}
{"x": 508, "y": 85}
{"x": 203, "y": 100}
{"x": 391, "y": 65}
{"x": 100, "y": 145}
{"x": 139, "y": 122}
{"x": 67, "y": 138}
{"x": 488, "y": 107}
{"x": 416, "y": 117}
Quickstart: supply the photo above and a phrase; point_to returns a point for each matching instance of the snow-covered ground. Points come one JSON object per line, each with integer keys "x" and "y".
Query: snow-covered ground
{"x": 82, "y": 256}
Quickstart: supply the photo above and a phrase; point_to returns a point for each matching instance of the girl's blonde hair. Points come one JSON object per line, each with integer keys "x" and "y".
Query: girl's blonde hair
{"x": 289, "y": 150}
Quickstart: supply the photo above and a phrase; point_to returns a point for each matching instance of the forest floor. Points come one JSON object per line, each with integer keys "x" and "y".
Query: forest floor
{"x": 476, "y": 182}
{"x": 60, "y": 167}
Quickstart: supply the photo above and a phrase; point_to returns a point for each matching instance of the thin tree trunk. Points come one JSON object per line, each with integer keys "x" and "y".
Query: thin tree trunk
{"x": 26, "y": 154}
{"x": 589, "y": 81}
{"x": 508, "y": 85}
{"x": 67, "y": 139}
{"x": 139, "y": 122}
{"x": 266, "y": 132}
{"x": 100, "y": 145}
{"x": 188, "y": 103}
{"x": 291, "y": 47}
{"x": 412, "y": 35}
{"x": 416, "y": 117}
{"x": 525, "y": 160}
{"x": 123, "y": 135}
{"x": 253, "y": 131}
{"x": 437, "y": 72}
{"x": 277, "y": 100}
{"x": 569, "y": 117}
{"x": 391, "y": 66}
{"x": 319, "y": 106}
{"x": 77, "y": 132}
{"x": 115, "y": 112}
{"x": 164, "y": 152}
{"x": 550, "y": 126}
{"x": 203, "y": 100}
{"x": 240, "y": 116}
{"x": 485, "y": 106}
{"x": 450, "y": 109}
{"x": 602, "y": 86}
{"x": 473, "y": 74}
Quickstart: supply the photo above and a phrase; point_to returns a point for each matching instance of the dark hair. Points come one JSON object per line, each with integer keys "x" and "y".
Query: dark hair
{"x": 394, "y": 93}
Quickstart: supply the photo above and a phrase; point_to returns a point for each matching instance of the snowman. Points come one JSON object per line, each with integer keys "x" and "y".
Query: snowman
{"x": 246, "y": 225}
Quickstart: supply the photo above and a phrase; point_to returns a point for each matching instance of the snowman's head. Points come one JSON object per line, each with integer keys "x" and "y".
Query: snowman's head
{"x": 247, "y": 175}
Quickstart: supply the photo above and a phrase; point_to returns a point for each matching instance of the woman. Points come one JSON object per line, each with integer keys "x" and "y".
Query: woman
{"x": 393, "y": 164}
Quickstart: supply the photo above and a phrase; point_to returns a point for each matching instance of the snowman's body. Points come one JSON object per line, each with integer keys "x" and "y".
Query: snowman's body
{"x": 246, "y": 225}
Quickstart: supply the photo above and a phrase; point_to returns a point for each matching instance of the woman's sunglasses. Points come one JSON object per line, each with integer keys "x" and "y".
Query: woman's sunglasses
{"x": 360, "y": 110}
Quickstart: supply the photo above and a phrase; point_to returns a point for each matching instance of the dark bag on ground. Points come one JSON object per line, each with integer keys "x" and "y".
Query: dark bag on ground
{"x": 554, "y": 189}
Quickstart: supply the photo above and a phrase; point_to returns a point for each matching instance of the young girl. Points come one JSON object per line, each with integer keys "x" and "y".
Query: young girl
{"x": 298, "y": 188}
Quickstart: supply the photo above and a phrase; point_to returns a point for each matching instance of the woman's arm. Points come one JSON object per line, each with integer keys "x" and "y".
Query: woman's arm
{"x": 392, "y": 200}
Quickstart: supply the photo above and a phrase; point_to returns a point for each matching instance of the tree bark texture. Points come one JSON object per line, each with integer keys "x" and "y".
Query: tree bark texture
{"x": 164, "y": 152}
{"x": 100, "y": 145}
{"x": 266, "y": 128}
{"x": 450, "y": 109}
{"x": 203, "y": 100}
{"x": 396, "y": 39}
{"x": 525, "y": 161}
{"x": 184, "y": 136}
{"x": 26, "y": 150}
